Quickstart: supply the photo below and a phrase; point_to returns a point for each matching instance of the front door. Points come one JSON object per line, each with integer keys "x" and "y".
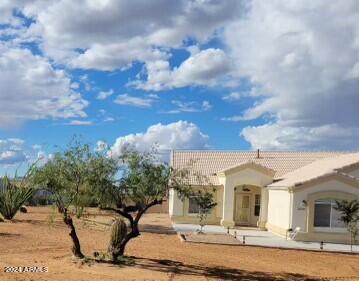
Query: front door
{"x": 243, "y": 210}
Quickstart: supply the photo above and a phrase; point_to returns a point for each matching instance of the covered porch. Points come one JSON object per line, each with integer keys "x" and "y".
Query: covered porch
{"x": 245, "y": 196}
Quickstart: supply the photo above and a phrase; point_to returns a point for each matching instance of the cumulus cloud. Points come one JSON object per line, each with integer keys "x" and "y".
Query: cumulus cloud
{"x": 126, "y": 99}
{"x": 307, "y": 78}
{"x": 104, "y": 94}
{"x": 178, "y": 135}
{"x": 201, "y": 68}
{"x": 11, "y": 151}
{"x": 32, "y": 89}
{"x": 112, "y": 34}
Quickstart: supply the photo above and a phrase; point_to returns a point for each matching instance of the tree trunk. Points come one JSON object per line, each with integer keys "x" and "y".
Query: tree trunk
{"x": 76, "y": 248}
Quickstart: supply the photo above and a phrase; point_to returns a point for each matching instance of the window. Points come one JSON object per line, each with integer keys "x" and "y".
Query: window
{"x": 325, "y": 215}
{"x": 257, "y": 205}
{"x": 193, "y": 207}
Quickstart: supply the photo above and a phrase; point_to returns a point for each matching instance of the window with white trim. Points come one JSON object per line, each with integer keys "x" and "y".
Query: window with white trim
{"x": 193, "y": 207}
{"x": 325, "y": 215}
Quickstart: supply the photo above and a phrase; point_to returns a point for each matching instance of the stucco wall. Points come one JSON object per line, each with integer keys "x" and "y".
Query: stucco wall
{"x": 180, "y": 209}
{"x": 300, "y": 215}
{"x": 279, "y": 206}
{"x": 303, "y": 217}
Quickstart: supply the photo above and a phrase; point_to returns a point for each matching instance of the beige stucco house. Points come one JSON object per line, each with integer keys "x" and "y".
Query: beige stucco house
{"x": 275, "y": 191}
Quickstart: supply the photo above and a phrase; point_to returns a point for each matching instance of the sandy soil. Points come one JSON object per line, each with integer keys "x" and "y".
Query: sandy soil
{"x": 158, "y": 254}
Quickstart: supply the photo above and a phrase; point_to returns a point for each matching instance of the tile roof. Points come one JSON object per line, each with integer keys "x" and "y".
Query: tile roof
{"x": 208, "y": 163}
{"x": 318, "y": 169}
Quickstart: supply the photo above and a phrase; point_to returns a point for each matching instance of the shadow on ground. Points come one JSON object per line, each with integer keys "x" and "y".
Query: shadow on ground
{"x": 152, "y": 228}
{"x": 173, "y": 268}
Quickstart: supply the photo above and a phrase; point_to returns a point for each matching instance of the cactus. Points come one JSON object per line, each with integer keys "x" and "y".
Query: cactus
{"x": 118, "y": 233}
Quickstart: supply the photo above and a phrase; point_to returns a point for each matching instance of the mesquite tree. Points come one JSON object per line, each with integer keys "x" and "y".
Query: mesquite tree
{"x": 144, "y": 182}
{"x": 68, "y": 176}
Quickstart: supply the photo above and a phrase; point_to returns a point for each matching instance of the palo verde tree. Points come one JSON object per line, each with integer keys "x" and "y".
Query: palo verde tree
{"x": 145, "y": 182}
{"x": 68, "y": 177}
{"x": 350, "y": 217}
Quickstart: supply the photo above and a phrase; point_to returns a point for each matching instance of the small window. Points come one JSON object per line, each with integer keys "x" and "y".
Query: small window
{"x": 193, "y": 207}
{"x": 325, "y": 215}
{"x": 257, "y": 205}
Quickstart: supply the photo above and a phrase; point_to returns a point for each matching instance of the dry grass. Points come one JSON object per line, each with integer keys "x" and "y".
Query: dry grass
{"x": 157, "y": 254}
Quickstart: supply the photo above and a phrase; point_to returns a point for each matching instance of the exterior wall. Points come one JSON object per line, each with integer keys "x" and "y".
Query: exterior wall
{"x": 175, "y": 204}
{"x": 181, "y": 214}
{"x": 303, "y": 216}
{"x": 279, "y": 211}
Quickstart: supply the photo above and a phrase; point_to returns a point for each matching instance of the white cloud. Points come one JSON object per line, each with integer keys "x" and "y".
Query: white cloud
{"x": 11, "y": 151}
{"x": 109, "y": 119}
{"x": 101, "y": 146}
{"x": 104, "y": 94}
{"x": 202, "y": 68}
{"x": 178, "y": 135}
{"x": 112, "y": 34}
{"x": 307, "y": 79}
{"x": 32, "y": 89}
{"x": 11, "y": 157}
{"x": 80, "y": 123}
{"x": 189, "y": 107}
{"x": 126, "y": 99}
{"x": 284, "y": 137}
{"x": 36, "y": 147}
{"x": 234, "y": 96}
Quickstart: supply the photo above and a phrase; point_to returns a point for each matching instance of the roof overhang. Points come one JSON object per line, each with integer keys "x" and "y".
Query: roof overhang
{"x": 246, "y": 165}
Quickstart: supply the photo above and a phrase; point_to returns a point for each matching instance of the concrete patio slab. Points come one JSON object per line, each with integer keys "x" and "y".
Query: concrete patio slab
{"x": 257, "y": 237}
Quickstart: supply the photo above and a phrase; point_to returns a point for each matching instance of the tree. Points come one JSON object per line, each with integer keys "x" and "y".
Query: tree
{"x": 205, "y": 203}
{"x": 12, "y": 197}
{"x": 350, "y": 217}
{"x": 68, "y": 177}
{"x": 145, "y": 182}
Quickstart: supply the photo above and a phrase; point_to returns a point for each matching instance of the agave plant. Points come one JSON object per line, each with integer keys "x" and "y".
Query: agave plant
{"x": 12, "y": 197}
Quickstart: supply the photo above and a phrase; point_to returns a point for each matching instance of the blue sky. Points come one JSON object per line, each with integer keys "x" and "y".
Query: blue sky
{"x": 180, "y": 75}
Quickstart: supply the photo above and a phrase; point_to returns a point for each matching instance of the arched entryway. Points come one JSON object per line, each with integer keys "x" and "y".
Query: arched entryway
{"x": 247, "y": 202}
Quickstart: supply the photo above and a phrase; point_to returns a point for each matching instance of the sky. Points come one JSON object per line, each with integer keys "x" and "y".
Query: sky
{"x": 194, "y": 74}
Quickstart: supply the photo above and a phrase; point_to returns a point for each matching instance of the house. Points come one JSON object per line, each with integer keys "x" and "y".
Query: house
{"x": 275, "y": 191}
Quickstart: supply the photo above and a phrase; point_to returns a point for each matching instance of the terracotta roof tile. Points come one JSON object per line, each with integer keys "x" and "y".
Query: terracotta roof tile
{"x": 210, "y": 162}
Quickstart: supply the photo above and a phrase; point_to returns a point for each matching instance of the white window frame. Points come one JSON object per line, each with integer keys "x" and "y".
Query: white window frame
{"x": 328, "y": 228}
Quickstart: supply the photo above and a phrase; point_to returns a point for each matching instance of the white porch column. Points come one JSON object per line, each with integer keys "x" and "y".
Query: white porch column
{"x": 228, "y": 204}
{"x": 175, "y": 204}
{"x": 263, "y": 214}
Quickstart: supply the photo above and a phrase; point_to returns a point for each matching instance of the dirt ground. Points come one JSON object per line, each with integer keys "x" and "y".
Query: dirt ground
{"x": 37, "y": 238}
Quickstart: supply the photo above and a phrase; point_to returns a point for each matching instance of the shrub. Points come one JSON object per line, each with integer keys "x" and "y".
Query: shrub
{"x": 12, "y": 198}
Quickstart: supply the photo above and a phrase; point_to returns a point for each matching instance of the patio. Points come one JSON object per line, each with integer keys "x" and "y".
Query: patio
{"x": 257, "y": 237}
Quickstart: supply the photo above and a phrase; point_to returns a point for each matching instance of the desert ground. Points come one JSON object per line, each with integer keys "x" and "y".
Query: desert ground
{"x": 39, "y": 238}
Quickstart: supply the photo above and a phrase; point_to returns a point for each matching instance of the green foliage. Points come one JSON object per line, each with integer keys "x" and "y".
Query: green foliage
{"x": 74, "y": 176}
{"x": 12, "y": 197}
{"x": 206, "y": 202}
{"x": 118, "y": 233}
{"x": 350, "y": 216}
